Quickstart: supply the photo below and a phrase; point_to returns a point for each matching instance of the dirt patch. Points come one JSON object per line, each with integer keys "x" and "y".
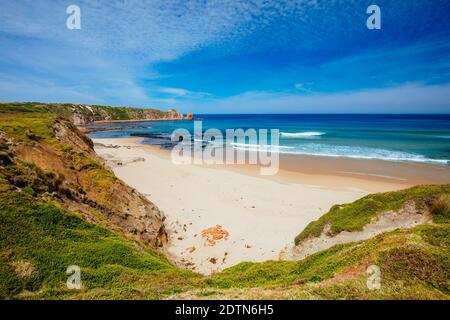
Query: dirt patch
{"x": 23, "y": 268}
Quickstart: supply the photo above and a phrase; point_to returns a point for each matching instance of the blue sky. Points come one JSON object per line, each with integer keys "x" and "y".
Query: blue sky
{"x": 304, "y": 56}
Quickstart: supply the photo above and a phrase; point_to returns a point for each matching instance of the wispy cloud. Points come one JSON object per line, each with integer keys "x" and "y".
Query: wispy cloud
{"x": 152, "y": 30}
{"x": 156, "y": 30}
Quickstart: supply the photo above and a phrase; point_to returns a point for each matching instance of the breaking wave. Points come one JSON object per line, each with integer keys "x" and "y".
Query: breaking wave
{"x": 306, "y": 134}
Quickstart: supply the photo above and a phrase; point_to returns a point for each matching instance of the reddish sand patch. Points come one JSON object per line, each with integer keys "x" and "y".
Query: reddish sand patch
{"x": 214, "y": 234}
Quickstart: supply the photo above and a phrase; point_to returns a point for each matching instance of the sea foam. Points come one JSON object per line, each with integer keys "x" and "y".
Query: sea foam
{"x": 334, "y": 151}
{"x": 306, "y": 134}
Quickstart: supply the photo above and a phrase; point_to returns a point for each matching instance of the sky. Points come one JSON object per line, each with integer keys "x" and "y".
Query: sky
{"x": 229, "y": 56}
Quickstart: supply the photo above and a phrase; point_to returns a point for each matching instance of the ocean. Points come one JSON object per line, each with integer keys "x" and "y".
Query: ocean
{"x": 415, "y": 138}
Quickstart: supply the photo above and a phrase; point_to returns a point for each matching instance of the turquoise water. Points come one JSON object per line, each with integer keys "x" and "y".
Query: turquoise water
{"x": 417, "y": 138}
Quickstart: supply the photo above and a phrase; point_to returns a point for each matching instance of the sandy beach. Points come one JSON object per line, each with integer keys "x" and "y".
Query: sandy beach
{"x": 218, "y": 216}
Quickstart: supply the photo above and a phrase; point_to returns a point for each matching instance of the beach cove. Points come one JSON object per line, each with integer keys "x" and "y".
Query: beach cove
{"x": 220, "y": 215}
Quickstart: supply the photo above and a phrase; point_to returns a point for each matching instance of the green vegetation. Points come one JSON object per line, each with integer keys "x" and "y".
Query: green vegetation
{"x": 47, "y": 181}
{"x": 26, "y": 125}
{"x": 354, "y": 216}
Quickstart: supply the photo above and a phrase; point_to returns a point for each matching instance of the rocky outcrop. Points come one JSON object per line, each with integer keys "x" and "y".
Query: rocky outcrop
{"x": 172, "y": 115}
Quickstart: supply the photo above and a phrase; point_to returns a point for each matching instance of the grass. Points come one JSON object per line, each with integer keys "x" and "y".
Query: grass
{"x": 27, "y": 126}
{"x": 354, "y": 216}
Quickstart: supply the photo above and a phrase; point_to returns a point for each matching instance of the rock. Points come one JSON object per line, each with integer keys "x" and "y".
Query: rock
{"x": 4, "y": 158}
{"x": 189, "y": 116}
{"x": 191, "y": 249}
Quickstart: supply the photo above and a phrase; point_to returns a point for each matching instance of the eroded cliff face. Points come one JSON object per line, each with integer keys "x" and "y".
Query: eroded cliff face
{"x": 60, "y": 165}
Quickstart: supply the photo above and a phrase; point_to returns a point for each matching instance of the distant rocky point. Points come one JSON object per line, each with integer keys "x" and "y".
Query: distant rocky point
{"x": 84, "y": 114}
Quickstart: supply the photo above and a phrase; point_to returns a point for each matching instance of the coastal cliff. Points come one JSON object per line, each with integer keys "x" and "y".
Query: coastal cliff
{"x": 47, "y": 154}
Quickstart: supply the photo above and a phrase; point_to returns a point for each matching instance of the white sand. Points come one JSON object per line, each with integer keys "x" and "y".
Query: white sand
{"x": 261, "y": 214}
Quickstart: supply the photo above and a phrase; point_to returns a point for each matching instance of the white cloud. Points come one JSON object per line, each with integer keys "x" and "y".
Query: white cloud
{"x": 174, "y": 91}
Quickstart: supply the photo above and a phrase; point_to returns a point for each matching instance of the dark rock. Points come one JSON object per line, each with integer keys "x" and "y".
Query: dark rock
{"x": 4, "y": 158}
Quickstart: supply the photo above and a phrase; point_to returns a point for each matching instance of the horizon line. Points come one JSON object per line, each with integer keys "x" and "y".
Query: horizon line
{"x": 268, "y": 113}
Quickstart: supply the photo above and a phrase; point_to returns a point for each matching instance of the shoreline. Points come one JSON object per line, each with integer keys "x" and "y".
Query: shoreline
{"x": 218, "y": 216}
{"x": 405, "y": 173}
